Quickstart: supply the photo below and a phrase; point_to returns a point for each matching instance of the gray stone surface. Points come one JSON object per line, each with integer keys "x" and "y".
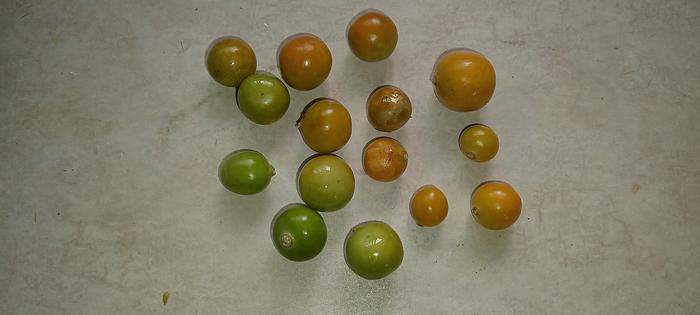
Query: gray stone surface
{"x": 111, "y": 132}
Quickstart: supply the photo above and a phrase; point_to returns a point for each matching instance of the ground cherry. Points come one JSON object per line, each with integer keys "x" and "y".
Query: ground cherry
{"x": 388, "y": 108}
{"x": 325, "y": 125}
{"x": 325, "y": 182}
{"x": 463, "y": 80}
{"x": 304, "y": 61}
{"x": 263, "y": 98}
{"x": 372, "y": 35}
{"x": 384, "y": 159}
{"x": 428, "y": 206}
{"x": 229, "y": 60}
{"x": 298, "y": 232}
{"x": 478, "y": 142}
{"x": 495, "y": 205}
{"x": 373, "y": 250}
{"x": 245, "y": 172}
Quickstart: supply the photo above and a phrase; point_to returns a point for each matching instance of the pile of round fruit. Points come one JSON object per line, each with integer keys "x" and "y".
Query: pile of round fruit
{"x": 463, "y": 80}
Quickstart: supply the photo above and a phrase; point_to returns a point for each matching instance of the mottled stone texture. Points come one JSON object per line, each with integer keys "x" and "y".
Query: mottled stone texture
{"x": 111, "y": 132}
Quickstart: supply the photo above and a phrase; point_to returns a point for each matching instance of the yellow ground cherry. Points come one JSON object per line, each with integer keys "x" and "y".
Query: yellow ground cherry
{"x": 478, "y": 142}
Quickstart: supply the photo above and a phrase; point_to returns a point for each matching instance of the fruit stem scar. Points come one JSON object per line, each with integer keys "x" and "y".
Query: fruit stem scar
{"x": 475, "y": 212}
{"x": 286, "y": 240}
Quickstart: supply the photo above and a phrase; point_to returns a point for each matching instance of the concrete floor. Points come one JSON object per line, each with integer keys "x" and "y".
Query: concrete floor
{"x": 111, "y": 132}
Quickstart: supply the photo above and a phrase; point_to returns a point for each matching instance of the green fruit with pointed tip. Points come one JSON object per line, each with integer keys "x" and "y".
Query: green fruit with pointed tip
{"x": 373, "y": 250}
{"x": 245, "y": 172}
{"x": 325, "y": 182}
{"x": 263, "y": 98}
{"x": 298, "y": 232}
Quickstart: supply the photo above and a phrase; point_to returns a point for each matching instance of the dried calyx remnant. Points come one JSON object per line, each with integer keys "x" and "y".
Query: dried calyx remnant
{"x": 286, "y": 240}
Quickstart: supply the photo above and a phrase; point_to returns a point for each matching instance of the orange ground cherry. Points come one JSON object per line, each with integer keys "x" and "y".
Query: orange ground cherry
{"x": 463, "y": 80}
{"x": 384, "y": 159}
{"x": 325, "y": 125}
{"x": 495, "y": 205}
{"x": 428, "y": 206}
{"x": 372, "y": 35}
{"x": 304, "y": 61}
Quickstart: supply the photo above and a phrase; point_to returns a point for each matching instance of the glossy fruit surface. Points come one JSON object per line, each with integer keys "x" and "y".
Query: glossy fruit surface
{"x": 384, "y": 159}
{"x": 388, "y": 108}
{"x": 298, "y": 232}
{"x": 373, "y": 250}
{"x": 304, "y": 61}
{"x": 229, "y": 60}
{"x": 245, "y": 172}
{"x": 263, "y": 98}
{"x": 478, "y": 142}
{"x": 463, "y": 80}
{"x": 325, "y": 125}
{"x": 428, "y": 206}
{"x": 495, "y": 205}
{"x": 372, "y": 35}
{"x": 325, "y": 182}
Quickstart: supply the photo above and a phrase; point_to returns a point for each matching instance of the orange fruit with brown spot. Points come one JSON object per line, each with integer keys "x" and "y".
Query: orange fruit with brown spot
{"x": 428, "y": 206}
{"x": 384, "y": 159}
{"x": 495, "y": 205}
{"x": 388, "y": 108}
{"x": 304, "y": 61}
{"x": 463, "y": 80}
